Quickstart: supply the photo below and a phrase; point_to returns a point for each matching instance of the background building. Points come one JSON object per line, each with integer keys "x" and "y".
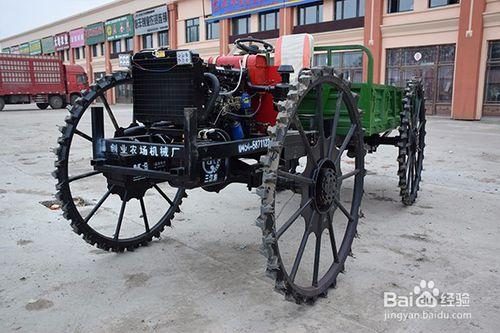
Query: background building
{"x": 454, "y": 45}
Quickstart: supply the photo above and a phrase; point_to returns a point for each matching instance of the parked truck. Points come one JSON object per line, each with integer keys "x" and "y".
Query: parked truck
{"x": 43, "y": 80}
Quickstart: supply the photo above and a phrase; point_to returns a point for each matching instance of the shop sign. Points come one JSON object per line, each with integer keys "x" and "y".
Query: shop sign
{"x": 35, "y": 47}
{"x": 151, "y": 20}
{"x": 417, "y": 56}
{"x": 6, "y": 50}
{"x": 77, "y": 38}
{"x": 122, "y": 27}
{"x": 24, "y": 48}
{"x": 48, "y": 45}
{"x": 15, "y": 50}
{"x": 221, "y": 7}
{"x": 61, "y": 41}
{"x": 94, "y": 34}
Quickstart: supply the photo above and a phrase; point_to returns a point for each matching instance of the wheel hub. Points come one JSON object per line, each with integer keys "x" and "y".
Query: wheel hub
{"x": 326, "y": 186}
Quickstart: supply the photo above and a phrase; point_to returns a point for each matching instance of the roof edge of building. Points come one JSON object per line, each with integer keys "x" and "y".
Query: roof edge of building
{"x": 66, "y": 19}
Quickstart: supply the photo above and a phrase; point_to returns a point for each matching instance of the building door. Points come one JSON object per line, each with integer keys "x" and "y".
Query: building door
{"x": 491, "y": 105}
{"x": 434, "y": 64}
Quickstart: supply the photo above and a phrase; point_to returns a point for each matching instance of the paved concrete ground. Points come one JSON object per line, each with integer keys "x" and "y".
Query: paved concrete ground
{"x": 206, "y": 273}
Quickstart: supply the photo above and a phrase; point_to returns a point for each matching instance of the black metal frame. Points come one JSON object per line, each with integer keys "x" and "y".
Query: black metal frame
{"x": 185, "y": 158}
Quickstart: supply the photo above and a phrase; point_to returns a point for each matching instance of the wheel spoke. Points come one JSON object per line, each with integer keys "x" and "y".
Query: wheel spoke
{"x": 319, "y": 118}
{"x": 342, "y": 208}
{"x": 296, "y": 177}
{"x": 144, "y": 216}
{"x": 420, "y": 125}
{"x": 83, "y": 175}
{"x": 333, "y": 132}
{"x": 120, "y": 218}
{"x": 317, "y": 252}
{"x": 332, "y": 238}
{"x": 163, "y": 194}
{"x": 292, "y": 219}
{"x": 347, "y": 139}
{"x": 99, "y": 203}
{"x": 110, "y": 113}
{"x": 305, "y": 140}
{"x": 412, "y": 170}
{"x": 83, "y": 135}
{"x": 300, "y": 251}
{"x": 349, "y": 174}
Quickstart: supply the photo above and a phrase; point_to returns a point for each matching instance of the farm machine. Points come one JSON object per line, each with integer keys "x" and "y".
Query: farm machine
{"x": 295, "y": 133}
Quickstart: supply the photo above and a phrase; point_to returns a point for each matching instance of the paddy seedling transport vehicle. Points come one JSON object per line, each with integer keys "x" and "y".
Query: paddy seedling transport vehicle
{"x": 297, "y": 134}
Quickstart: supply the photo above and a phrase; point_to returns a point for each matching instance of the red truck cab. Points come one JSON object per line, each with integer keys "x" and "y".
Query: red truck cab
{"x": 76, "y": 81}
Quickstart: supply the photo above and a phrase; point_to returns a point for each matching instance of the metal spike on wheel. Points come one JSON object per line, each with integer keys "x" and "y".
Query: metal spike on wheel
{"x": 318, "y": 184}
{"x": 411, "y": 143}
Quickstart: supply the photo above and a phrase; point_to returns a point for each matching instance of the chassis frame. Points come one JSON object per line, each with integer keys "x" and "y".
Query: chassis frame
{"x": 186, "y": 160}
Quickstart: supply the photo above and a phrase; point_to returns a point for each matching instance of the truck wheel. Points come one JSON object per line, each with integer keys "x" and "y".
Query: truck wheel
{"x": 56, "y": 102}
{"x": 42, "y": 106}
{"x": 2, "y": 103}
{"x": 73, "y": 99}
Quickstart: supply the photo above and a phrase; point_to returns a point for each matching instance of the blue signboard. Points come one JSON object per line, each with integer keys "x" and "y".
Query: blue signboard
{"x": 222, "y": 7}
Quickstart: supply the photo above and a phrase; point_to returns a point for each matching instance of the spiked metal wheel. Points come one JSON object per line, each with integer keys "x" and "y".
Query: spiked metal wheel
{"x": 75, "y": 175}
{"x": 321, "y": 196}
{"x": 411, "y": 142}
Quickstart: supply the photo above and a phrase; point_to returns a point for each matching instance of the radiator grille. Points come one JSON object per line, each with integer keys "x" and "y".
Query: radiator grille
{"x": 162, "y": 89}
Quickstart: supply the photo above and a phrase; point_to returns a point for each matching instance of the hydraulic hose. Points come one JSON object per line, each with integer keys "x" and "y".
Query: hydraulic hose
{"x": 215, "y": 86}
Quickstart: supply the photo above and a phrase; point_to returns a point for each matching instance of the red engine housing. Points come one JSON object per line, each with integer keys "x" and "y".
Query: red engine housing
{"x": 259, "y": 73}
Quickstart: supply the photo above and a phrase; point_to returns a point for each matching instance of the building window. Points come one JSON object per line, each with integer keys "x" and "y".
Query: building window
{"x": 348, "y": 63}
{"x": 345, "y": 9}
{"x": 310, "y": 14}
{"x": 116, "y": 46}
{"x": 66, "y": 54}
{"x": 129, "y": 44}
{"x": 438, "y": 3}
{"x": 83, "y": 52}
{"x": 212, "y": 30}
{"x": 268, "y": 21}
{"x": 492, "y": 95}
{"x": 102, "y": 47}
{"x": 192, "y": 30}
{"x": 433, "y": 64}
{"x": 396, "y": 6}
{"x": 94, "y": 50}
{"x": 147, "y": 41}
{"x": 163, "y": 38}
{"x": 77, "y": 53}
{"x": 241, "y": 25}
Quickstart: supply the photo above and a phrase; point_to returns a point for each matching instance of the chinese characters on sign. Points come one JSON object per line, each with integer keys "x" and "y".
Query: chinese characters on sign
{"x": 221, "y": 7}
{"x": 61, "y": 41}
{"x": 151, "y": 20}
{"x": 35, "y": 47}
{"x": 94, "y": 34}
{"x": 122, "y": 27}
{"x": 142, "y": 150}
{"x": 48, "y": 45}
{"x": 77, "y": 38}
{"x": 24, "y": 48}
